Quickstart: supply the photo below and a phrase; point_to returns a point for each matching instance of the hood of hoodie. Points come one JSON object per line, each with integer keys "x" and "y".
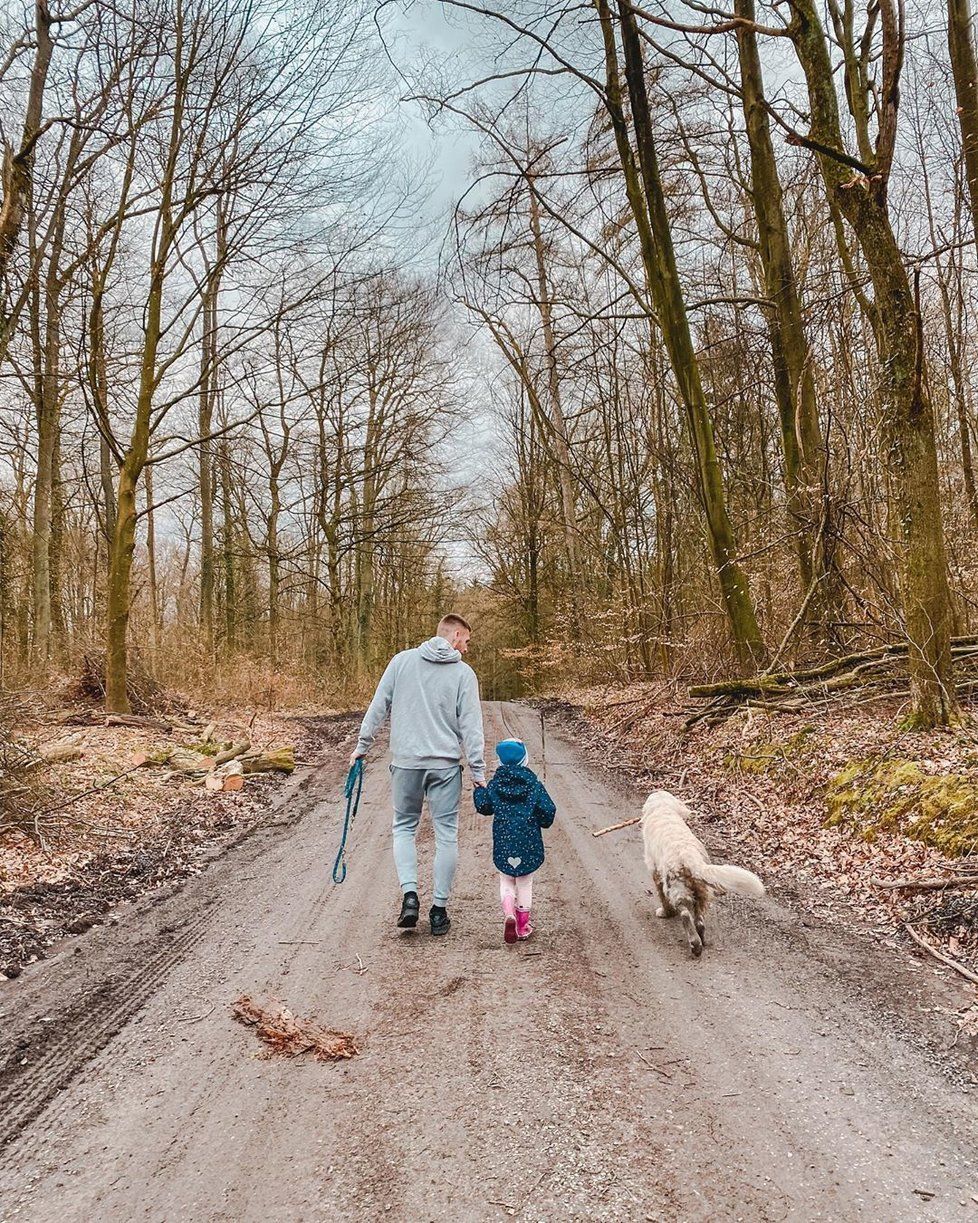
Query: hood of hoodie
{"x": 437, "y": 649}
{"x": 513, "y": 783}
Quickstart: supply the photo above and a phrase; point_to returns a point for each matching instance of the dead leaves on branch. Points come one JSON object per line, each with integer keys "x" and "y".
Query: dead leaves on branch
{"x": 288, "y": 1036}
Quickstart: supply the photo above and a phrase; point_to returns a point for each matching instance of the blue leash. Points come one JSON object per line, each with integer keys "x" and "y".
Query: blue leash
{"x": 354, "y": 784}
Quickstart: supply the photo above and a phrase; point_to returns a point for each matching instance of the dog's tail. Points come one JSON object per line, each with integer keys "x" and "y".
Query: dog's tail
{"x": 731, "y": 878}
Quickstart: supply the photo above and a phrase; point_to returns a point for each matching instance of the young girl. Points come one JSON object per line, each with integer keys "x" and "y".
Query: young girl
{"x": 520, "y": 807}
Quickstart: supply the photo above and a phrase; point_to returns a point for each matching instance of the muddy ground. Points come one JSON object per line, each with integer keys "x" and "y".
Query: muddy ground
{"x": 794, "y": 1072}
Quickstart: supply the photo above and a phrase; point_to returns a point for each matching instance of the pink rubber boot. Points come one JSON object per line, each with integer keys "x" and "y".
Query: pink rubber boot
{"x": 510, "y": 923}
{"x": 523, "y": 927}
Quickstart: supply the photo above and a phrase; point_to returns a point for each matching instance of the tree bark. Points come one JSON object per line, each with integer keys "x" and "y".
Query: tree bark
{"x": 806, "y": 475}
{"x": 908, "y": 418}
{"x": 48, "y": 411}
{"x": 154, "y": 598}
{"x": 121, "y": 551}
{"x": 18, "y": 168}
{"x": 557, "y": 437}
{"x": 964, "y": 70}
{"x": 205, "y": 424}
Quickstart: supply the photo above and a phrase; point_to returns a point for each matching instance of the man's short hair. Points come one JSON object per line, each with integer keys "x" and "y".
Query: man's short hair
{"x": 454, "y": 620}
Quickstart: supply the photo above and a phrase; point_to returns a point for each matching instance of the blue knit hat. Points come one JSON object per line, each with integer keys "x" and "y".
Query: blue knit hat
{"x": 511, "y": 751}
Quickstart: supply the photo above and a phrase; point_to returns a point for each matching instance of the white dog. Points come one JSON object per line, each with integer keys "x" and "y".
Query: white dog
{"x": 683, "y": 873}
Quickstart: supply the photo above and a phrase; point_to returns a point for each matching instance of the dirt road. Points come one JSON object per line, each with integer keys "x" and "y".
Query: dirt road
{"x": 595, "y": 1072}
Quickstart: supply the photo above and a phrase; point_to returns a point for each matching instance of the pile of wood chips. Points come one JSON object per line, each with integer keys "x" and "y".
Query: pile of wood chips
{"x": 286, "y": 1035}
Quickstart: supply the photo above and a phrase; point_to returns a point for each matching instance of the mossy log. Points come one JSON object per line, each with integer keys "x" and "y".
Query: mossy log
{"x": 232, "y": 752}
{"x": 272, "y": 760}
{"x": 60, "y": 753}
{"x": 848, "y": 671}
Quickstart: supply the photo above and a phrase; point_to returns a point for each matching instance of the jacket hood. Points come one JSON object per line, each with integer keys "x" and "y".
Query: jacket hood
{"x": 514, "y": 783}
{"x": 437, "y": 649}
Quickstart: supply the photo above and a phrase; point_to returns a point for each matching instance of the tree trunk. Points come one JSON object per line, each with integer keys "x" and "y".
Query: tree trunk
{"x": 274, "y": 566}
{"x": 964, "y": 69}
{"x": 645, "y": 195}
{"x": 205, "y": 425}
{"x": 557, "y": 438}
{"x": 154, "y": 598}
{"x": 18, "y": 168}
{"x": 227, "y": 551}
{"x": 805, "y": 460}
{"x": 48, "y": 410}
{"x": 908, "y": 418}
{"x": 121, "y": 551}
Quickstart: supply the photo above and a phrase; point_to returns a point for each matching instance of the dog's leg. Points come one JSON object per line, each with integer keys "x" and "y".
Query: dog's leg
{"x": 701, "y": 902}
{"x": 700, "y": 927}
{"x": 682, "y": 900}
{"x": 691, "y": 927}
{"x": 665, "y": 908}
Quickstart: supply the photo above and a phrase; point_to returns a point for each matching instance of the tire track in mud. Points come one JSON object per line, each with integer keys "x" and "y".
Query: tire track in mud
{"x": 39, "y": 1065}
{"x": 61, "y": 1053}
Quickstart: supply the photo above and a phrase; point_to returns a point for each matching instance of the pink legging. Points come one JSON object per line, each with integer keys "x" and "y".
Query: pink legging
{"x": 518, "y": 888}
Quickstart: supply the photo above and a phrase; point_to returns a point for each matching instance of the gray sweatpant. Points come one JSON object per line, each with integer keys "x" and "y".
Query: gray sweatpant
{"x": 443, "y": 790}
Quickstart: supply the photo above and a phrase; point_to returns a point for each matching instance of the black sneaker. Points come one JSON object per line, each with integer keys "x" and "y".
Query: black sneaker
{"x": 410, "y": 908}
{"x": 439, "y": 919}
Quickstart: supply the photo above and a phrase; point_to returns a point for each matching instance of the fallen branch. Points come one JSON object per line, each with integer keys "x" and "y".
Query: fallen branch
{"x": 927, "y": 885}
{"x": 884, "y": 666}
{"x": 614, "y": 827}
{"x": 139, "y": 721}
{"x": 939, "y": 955}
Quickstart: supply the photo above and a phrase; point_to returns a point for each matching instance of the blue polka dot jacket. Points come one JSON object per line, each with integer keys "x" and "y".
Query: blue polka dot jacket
{"x": 520, "y": 806}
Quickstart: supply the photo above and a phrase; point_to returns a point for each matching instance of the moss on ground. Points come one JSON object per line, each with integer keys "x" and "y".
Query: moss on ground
{"x": 870, "y": 796}
{"x": 767, "y": 757}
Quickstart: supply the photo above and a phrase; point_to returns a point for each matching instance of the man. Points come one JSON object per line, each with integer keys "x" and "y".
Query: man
{"x": 432, "y": 697}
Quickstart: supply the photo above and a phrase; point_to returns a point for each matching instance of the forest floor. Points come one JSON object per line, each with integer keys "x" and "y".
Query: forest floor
{"x": 833, "y": 805}
{"x": 113, "y": 830}
{"x": 797, "y": 1071}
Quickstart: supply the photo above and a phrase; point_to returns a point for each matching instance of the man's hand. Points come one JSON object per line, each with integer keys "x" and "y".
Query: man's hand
{"x": 355, "y": 756}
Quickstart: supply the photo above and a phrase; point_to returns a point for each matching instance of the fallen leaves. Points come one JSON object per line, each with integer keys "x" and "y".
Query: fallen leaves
{"x": 286, "y": 1035}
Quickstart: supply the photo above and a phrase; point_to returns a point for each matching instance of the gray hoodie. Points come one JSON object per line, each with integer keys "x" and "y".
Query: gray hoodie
{"x": 433, "y": 701}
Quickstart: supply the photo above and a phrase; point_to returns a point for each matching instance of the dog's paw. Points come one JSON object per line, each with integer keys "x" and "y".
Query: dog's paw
{"x": 661, "y": 913}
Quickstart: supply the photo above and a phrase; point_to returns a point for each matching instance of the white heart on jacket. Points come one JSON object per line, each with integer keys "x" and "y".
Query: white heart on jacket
{"x": 514, "y": 862}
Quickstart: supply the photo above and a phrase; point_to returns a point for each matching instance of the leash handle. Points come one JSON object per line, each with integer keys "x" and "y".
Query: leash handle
{"x": 354, "y": 785}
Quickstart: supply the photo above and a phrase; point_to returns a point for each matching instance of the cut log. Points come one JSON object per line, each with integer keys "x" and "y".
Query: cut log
{"x": 60, "y": 753}
{"x": 208, "y": 732}
{"x": 138, "y": 720}
{"x": 272, "y": 760}
{"x": 185, "y": 761}
{"x": 233, "y": 752}
{"x": 228, "y": 777}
